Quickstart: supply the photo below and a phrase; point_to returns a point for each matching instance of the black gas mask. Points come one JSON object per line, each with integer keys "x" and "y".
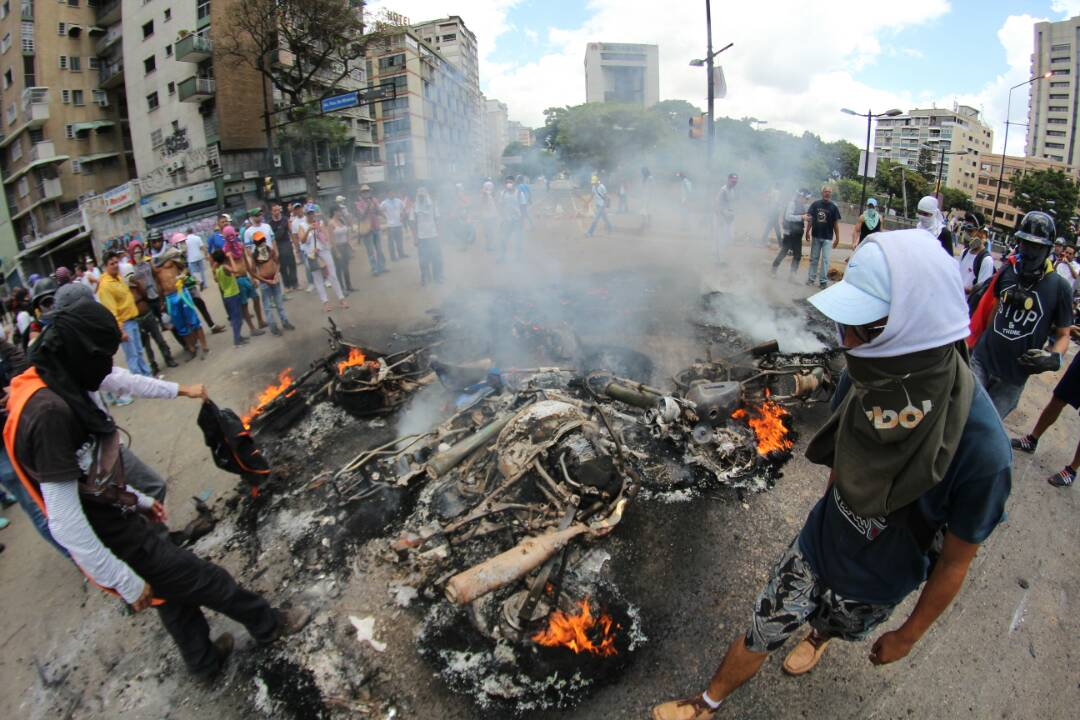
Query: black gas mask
{"x": 1031, "y": 265}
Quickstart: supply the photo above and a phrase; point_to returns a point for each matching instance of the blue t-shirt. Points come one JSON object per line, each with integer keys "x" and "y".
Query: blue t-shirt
{"x": 215, "y": 242}
{"x": 868, "y": 561}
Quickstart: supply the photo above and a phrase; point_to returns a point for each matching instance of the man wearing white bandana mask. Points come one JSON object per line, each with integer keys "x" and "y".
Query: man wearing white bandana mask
{"x": 932, "y": 221}
{"x": 918, "y": 457}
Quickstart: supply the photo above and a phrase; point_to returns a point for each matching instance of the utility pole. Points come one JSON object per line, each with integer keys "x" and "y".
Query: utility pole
{"x": 711, "y": 93}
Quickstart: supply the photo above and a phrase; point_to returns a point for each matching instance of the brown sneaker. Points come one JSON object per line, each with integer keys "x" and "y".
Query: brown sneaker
{"x": 689, "y": 709}
{"x": 805, "y": 656}
{"x": 290, "y": 622}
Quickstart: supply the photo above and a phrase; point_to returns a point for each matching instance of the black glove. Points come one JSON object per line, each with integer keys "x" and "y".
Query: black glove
{"x": 1040, "y": 361}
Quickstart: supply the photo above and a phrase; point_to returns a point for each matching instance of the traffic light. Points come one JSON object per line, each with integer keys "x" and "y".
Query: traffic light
{"x": 697, "y": 127}
{"x": 268, "y": 187}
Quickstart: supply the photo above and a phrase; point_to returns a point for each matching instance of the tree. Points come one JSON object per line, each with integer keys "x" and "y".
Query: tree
{"x": 304, "y": 49}
{"x": 844, "y": 159}
{"x": 601, "y": 136}
{"x": 953, "y": 198}
{"x": 848, "y": 190}
{"x": 927, "y": 163}
{"x": 1051, "y": 191}
{"x": 892, "y": 178}
{"x": 676, "y": 114}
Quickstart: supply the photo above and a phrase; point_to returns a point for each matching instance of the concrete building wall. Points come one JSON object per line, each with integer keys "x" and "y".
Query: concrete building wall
{"x": 496, "y": 132}
{"x": 1052, "y": 102}
{"x": 237, "y": 102}
{"x": 62, "y": 124}
{"x": 622, "y": 73}
{"x": 168, "y": 135}
{"x": 901, "y": 138}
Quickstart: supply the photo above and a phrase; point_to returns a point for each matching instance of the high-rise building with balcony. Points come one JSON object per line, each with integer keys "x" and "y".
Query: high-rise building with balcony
{"x": 427, "y": 130}
{"x": 622, "y": 73}
{"x": 64, "y": 133}
{"x": 1052, "y": 110}
{"x": 929, "y": 131}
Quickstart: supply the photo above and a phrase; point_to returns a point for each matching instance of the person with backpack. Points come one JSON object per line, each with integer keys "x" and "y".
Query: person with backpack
{"x": 917, "y": 456}
{"x": 976, "y": 263}
{"x": 600, "y": 200}
{"x": 794, "y": 228}
{"x": 868, "y": 223}
{"x": 1025, "y": 306}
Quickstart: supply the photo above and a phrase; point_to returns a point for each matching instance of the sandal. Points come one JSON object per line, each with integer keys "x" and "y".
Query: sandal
{"x": 689, "y": 709}
{"x": 1064, "y": 478}
{"x": 805, "y": 656}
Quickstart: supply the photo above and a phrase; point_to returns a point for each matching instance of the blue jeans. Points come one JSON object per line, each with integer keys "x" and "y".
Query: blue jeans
{"x": 273, "y": 296}
{"x": 820, "y": 248}
{"x": 133, "y": 349}
{"x": 235, "y": 310}
{"x": 601, "y": 214}
{"x": 198, "y": 270}
{"x": 10, "y": 481}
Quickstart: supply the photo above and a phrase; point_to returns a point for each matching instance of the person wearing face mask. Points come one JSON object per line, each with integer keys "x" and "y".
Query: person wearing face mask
{"x": 1025, "y": 306}
{"x": 918, "y": 457}
{"x": 869, "y": 223}
{"x": 66, "y": 452}
{"x": 932, "y": 221}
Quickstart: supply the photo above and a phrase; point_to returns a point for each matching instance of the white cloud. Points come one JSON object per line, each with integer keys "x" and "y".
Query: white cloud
{"x": 1068, "y": 8}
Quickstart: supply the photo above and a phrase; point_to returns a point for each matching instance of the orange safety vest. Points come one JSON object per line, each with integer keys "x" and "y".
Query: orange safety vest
{"x": 24, "y": 387}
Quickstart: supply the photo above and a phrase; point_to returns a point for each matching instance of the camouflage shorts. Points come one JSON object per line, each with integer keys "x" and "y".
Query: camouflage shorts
{"x": 795, "y": 596}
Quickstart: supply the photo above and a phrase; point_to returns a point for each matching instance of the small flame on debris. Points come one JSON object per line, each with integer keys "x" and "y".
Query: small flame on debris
{"x": 580, "y": 631}
{"x": 285, "y": 379}
{"x": 355, "y": 358}
{"x": 768, "y": 421}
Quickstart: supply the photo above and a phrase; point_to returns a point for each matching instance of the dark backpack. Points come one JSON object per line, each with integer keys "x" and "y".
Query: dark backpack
{"x": 233, "y": 448}
{"x": 977, "y": 291}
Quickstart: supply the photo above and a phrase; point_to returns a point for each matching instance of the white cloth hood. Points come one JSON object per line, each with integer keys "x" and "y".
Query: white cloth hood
{"x": 936, "y": 221}
{"x": 927, "y": 308}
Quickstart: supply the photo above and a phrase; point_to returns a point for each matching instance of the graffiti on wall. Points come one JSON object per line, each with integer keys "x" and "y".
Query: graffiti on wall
{"x": 178, "y": 158}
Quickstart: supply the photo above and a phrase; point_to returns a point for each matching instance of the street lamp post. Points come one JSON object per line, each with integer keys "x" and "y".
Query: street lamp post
{"x": 941, "y": 162}
{"x": 869, "y": 115}
{"x": 1005, "y": 147}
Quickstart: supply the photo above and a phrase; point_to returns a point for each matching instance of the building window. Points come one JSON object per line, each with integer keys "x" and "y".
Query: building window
{"x": 394, "y": 61}
{"x": 168, "y": 14}
{"x": 61, "y": 28}
{"x": 5, "y": 43}
{"x": 147, "y": 29}
{"x": 101, "y": 98}
{"x": 16, "y": 151}
{"x": 152, "y": 101}
{"x": 168, "y": 51}
{"x": 8, "y": 78}
{"x": 69, "y": 131}
{"x": 74, "y": 3}
{"x": 157, "y": 138}
{"x": 449, "y": 38}
{"x": 1064, "y": 58}
{"x": 172, "y": 88}
{"x": 75, "y": 63}
{"x": 1058, "y": 108}
{"x": 150, "y": 64}
{"x": 1055, "y": 146}
{"x": 5, "y": 10}
{"x": 76, "y": 167}
{"x": 1059, "y": 84}
{"x": 93, "y": 62}
{"x": 1059, "y": 96}
{"x": 1062, "y": 47}
{"x": 77, "y": 98}
{"x": 1055, "y": 133}
{"x": 1063, "y": 71}
{"x": 65, "y": 97}
{"x": 1056, "y": 121}
{"x": 63, "y": 62}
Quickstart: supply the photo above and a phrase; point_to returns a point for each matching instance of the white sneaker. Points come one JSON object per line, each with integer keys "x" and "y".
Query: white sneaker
{"x": 328, "y": 283}
{"x": 124, "y": 400}
{"x": 309, "y": 288}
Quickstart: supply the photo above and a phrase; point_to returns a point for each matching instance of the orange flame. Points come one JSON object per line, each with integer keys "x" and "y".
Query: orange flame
{"x": 355, "y": 358}
{"x": 767, "y": 422}
{"x": 576, "y": 631}
{"x": 285, "y": 379}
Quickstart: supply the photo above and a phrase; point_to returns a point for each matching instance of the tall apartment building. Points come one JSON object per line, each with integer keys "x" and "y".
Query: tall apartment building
{"x": 1052, "y": 102}
{"x": 1008, "y": 215}
{"x": 496, "y": 135}
{"x": 622, "y": 73}
{"x": 426, "y": 132}
{"x": 64, "y": 133}
{"x": 457, "y": 44}
{"x": 902, "y": 138}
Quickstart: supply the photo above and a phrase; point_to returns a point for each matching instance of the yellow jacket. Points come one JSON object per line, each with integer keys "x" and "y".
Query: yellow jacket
{"x": 115, "y": 294}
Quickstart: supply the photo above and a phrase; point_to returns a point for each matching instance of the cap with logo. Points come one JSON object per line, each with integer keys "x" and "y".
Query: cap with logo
{"x": 865, "y": 293}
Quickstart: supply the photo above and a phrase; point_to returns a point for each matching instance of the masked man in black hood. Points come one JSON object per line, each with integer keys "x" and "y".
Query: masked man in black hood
{"x": 918, "y": 457}
{"x": 1028, "y": 303}
{"x": 65, "y": 451}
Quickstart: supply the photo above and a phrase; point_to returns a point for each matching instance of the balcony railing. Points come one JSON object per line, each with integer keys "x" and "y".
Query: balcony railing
{"x": 72, "y": 218}
{"x": 108, "y": 12}
{"x": 193, "y": 48}
{"x": 111, "y": 74}
{"x": 195, "y": 89}
{"x": 35, "y": 105}
{"x": 42, "y": 151}
{"x": 111, "y": 37}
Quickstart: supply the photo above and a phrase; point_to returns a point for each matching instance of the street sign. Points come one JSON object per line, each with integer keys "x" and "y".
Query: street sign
{"x": 340, "y": 102}
{"x": 870, "y": 172}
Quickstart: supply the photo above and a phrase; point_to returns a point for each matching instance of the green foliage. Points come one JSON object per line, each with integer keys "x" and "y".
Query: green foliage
{"x": 317, "y": 128}
{"x": 602, "y": 135}
{"x": 1051, "y": 191}
{"x": 926, "y": 165}
{"x": 891, "y": 180}
{"x": 676, "y": 114}
{"x": 848, "y": 190}
{"x": 843, "y": 158}
{"x": 953, "y": 198}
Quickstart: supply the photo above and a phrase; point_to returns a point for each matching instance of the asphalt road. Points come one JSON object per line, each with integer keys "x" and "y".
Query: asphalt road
{"x": 1006, "y": 648}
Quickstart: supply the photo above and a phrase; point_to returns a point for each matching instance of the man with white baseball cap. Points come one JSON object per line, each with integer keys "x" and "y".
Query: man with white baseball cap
{"x": 919, "y": 460}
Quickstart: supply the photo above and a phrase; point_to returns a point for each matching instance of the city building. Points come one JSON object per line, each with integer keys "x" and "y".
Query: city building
{"x": 519, "y": 133}
{"x": 426, "y": 131}
{"x": 901, "y": 139}
{"x": 622, "y": 73}
{"x": 63, "y": 122}
{"x": 496, "y": 135}
{"x": 457, "y": 44}
{"x": 1052, "y": 112}
{"x": 1008, "y": 215}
